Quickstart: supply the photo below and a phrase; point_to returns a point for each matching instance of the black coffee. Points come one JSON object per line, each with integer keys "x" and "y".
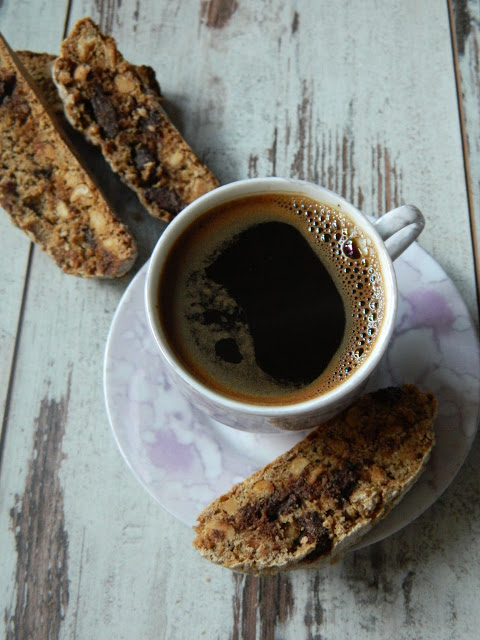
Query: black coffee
{"x": 272, "y": 298}
{"x": 284, "y": 294}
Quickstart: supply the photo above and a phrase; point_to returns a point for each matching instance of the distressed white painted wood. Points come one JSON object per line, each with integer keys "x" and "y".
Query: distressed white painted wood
{"x": 23, "y": 27}
{"x": 360, "y": 96}
{"x": 465, "y": 17}
{"x": 13, "y": 266}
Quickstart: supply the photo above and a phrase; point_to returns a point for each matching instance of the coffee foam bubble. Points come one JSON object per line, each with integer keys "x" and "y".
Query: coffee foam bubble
{"x": 348, "y": 254}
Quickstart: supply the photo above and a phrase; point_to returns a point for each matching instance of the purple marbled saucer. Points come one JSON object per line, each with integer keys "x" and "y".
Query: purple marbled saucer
{"x": 184, "y": 459}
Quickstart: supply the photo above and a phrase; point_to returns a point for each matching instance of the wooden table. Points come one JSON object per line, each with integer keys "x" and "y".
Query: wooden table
{"x": 378, "y": 101}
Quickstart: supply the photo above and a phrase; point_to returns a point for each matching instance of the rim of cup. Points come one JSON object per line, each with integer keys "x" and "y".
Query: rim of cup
{"x": 243, "y": 188}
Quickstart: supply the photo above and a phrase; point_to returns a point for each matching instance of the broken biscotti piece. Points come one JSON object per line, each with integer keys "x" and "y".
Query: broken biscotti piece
{"x": 310, "y": 505}
{"x": 44, "y": 188}
{"x": 108, "y": 100}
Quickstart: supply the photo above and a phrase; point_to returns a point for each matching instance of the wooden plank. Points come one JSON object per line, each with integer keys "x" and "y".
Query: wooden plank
{"x": 465, "y": 25}
{"x": 13, "y": 267}
{"x": 22, "y": 30}
{"x": 326, "y": 92}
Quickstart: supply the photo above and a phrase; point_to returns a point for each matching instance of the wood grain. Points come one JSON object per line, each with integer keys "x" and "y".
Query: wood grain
{"x": 15, "y": 263}
{"x": 38, "y": 520}
{"x": 261, "y": 606}
{"x": 217, "y": 13}
{"x": 465, "y": 29}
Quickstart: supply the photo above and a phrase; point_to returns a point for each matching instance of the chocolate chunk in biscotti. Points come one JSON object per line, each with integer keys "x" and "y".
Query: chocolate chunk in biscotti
{"x": 313, "y": 503}
{"x": 46, "y": 190}
{"x": 114, "y": 106}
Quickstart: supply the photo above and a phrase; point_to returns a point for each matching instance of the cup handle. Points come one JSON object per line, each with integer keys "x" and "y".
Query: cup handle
{"x": 399, "y": 228}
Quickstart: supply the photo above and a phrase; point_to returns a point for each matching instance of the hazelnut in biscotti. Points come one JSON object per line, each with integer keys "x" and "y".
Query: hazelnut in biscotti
{"x": 313, "y": 503}
{"x": 46, "y": 190}
{"x": 114, "y": 106}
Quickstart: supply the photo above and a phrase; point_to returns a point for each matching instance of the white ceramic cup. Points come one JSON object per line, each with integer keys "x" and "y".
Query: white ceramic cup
{"x": 391, "y": 234}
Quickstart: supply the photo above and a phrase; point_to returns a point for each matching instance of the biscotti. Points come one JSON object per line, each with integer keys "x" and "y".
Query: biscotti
{"x": 311, "y": 504}
{"x": 39, "y": 67}
{"x": 111, "y": 104}
{"x": 44, "y": 188}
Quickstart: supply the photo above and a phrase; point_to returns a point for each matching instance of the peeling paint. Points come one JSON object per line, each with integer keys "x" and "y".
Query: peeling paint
{"x": 336, "y": 163}
{"x": 38, "y": 522}
{"x": 106, "y": 14}
{"x": 462, "y": 23}
{"x": 260, "y": 605}
{"x": 314, "y": 613}
{"x": 136, "y": 14}
{"x": 295, "y": 22}
{"x": 217, "y": 13}
{"x": 276, "y": 603}
{"x": 386, "y": 180}
{"x": 328, "y": 158}
{"x": 360, "y": 199}
{"x": 272, "y": 152}
{"x": 407, "y": 586}
{"x": 253, "y": 166}
{"x": 245, "y": 605}
{"x": 378, "y": 173}
{"x": 348, "y": 168}
{"x": 303, "y": 162}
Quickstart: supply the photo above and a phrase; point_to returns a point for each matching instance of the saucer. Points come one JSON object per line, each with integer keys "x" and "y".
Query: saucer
{"x": 185, "y": 460}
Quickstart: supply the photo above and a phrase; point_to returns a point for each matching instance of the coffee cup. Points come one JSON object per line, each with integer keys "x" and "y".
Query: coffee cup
{"x": 273, "y": 300}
